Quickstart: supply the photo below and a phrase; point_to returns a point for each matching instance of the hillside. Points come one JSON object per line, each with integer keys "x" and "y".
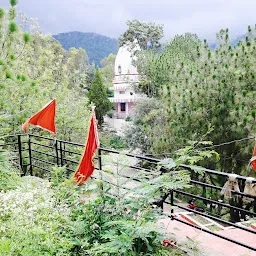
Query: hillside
{"x": 97, "y": 46}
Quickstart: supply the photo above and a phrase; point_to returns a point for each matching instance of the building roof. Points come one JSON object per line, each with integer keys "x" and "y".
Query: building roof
{"x": 123, "y": 62}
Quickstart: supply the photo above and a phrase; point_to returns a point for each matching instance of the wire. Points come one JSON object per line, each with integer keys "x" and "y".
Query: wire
{"x": 209, "y": 147}
{"x": 230, "y": 142}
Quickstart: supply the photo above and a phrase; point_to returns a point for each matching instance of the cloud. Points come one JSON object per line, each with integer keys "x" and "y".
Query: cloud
{"x": 108, "y": 17}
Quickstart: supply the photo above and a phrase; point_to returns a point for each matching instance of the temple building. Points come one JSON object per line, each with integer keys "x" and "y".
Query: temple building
{"x": 126, "y": 77}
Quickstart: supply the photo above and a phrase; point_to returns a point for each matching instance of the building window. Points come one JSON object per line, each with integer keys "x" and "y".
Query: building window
{"x": 119, "y": 70}
{"x": 121, "y": 92}
{"x": 122, "y": 105}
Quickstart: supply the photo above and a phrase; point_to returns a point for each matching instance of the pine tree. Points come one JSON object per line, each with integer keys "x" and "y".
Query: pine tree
{"x": 98, "y": 96}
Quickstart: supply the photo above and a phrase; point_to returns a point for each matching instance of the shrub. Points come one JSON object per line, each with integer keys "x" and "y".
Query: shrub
{"x": 9, "y": 177}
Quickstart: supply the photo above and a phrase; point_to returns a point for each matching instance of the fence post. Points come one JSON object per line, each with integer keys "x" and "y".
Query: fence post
{"x": 100, "y": 168}
{"x": 30, "y": 155}
{"x": 20, "y": 152}
{"x": 61, "y": 154}
{"x": 56, "y": 151}
{"x": 172, "y": 201}
{"x": 99, "y": 159}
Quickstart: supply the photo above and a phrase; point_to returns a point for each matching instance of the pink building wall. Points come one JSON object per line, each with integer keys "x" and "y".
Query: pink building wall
{"x": 128, "y": 109}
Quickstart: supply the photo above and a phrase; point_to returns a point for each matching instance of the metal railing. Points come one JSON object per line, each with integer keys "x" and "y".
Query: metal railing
{"x": 35, "y": 155}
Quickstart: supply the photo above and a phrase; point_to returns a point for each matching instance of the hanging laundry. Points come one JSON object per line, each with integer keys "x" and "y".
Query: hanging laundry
{"x": 249, "y": 189}
{"x": 231, "y": 184}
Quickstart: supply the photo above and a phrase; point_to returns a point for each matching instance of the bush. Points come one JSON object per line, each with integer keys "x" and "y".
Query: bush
{"x": 39, "y": 217}
{"x": 111, "y": 140}
{"x": 32, "y": 222}
{"x": 110, "y": 113}
{"x": 9, "y": 177}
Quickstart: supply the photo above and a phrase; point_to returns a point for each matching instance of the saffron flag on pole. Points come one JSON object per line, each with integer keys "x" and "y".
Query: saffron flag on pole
{"x": 44, "y": 119}
{"x": 253, "y": 159}
{"x": 86, "y": 166}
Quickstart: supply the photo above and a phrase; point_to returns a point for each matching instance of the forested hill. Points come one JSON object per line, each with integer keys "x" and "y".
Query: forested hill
{"x": 97, "y": 46}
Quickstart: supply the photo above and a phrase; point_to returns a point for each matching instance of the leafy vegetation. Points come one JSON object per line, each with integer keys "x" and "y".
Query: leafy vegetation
{"x": 146, "y": 35}
{"x": 34, "y": 68}
{"x": 109, "y": 139}
{"x": 107, "y": 72}
{"x": 9, "y": 177}
{"x": 98, "y": 96}
{"x": 59, "y": 218}
{"x": 195, "y": 94}
{"x": 198, "y": 88}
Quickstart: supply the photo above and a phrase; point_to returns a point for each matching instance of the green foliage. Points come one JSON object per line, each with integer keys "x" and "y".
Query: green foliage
{"x": 9, "y": 177}
{"x": 34, "y": 69}
{"x": 13, "y": 2}
{"x": 171, "y": 175}
{"x": 12, "y": 14}
{"x": 147, "y": 113}
{"x": 1, "y": 13}
{"x": 98, "y": 96}
{"x": 200, "y": 87}
{"x": 79, "y": 71}
{"x": 60, "y": 218}
{"x": 58, "y": 175}
{"x": 111, "y": 140}
{"x": 131, "y": 237}
{"x": 13, "y": 27}
{"x": 107, "y": 72}
{"x": 26, "y": 37}
{"x": 38, "y": 222}
{"x": 146, "y": 35}
{"x": 155, "y": 68}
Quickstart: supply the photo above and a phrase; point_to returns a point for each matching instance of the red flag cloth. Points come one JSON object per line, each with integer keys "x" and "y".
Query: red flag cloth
{"x": 86, "y": 166}
{"x": 44, "y": 119}
{"x": 253, "y": 159}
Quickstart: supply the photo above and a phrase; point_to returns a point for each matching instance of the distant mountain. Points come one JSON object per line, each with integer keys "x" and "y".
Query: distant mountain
{"x": 97, "y": 46}
{"x": 239, "y": 38}
{"x": 232, "y": 43}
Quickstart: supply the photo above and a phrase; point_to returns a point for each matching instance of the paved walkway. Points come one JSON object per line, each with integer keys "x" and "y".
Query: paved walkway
{"x": 211, "y": 245}
{"x": 116, "y": 124}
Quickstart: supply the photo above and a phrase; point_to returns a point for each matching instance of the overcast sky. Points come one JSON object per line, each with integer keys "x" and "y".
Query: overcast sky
{"x": 108, "y": 17}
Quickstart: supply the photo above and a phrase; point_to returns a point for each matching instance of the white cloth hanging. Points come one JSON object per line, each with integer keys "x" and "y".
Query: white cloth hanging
{"x": 248, "y": 189}
{"x": 230, "y": 185}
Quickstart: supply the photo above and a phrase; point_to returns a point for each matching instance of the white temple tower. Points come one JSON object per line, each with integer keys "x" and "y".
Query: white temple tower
{"x": 126, "y": 77}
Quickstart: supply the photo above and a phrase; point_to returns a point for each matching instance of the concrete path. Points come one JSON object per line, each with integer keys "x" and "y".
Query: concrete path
{"x": 211, "y": 245}
{"x": 116, "y": 124}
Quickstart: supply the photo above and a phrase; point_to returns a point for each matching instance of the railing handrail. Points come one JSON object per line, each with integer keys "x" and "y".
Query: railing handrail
{"x": 58, "y": 153}
{"x": 224, "y": 174}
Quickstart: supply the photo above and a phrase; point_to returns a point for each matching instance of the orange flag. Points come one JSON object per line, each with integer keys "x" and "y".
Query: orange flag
{"x": 86, "y": 166}
{"x": 44, "y": 119}
{"x": 253, "y": 159}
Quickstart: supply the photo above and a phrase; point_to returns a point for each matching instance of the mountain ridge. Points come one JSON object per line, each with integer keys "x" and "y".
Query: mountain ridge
{"x": 96, "y": 45}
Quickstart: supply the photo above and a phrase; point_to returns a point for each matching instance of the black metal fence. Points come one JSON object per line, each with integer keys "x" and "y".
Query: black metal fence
{"x": 35, "y": 155}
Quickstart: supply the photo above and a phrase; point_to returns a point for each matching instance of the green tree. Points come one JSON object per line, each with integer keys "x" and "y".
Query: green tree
{"x": 78, "y": 68}
{"x": 200, "y": 88}
{"x": 155, "y": 68}
{"x": 34, "y": 68}
{"x": 98, "y": 96}
{"x": 107, "y": 72}
{"x": 146, "y": 35}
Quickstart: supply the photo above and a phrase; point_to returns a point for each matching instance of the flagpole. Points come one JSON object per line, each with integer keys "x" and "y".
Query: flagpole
{"x": 99, "y": 153}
